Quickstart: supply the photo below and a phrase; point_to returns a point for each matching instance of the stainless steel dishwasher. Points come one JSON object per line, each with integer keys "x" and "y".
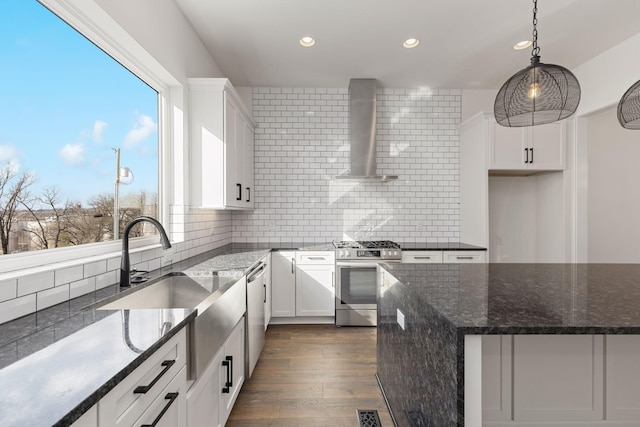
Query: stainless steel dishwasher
{"x": 256, "y": 288}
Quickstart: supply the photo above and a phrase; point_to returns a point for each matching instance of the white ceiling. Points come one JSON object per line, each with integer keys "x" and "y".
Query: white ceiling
{"x": 464, "y": 43}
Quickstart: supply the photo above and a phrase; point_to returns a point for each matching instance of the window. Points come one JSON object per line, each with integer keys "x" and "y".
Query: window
{"x": 79, "y": 142}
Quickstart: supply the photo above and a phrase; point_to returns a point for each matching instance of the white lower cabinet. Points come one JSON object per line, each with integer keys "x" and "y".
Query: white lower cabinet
{"x": 315, "y": 290}
{"x": 88, "y": 419}
{"x": 169, "y": 408}
{"x": 146, "y": 387}
{"x": 438, "y": 257}
{"x": 283, "y": 284}
{"x": 303, "y": 286}
{"x": 561, "y": 380}
{"x": 422, "y": 257}
{"x": 558, "y": 378}
{"x": 623, "y": 377}
{"x": 496, "y": 377}
{"x": 211, "y": 398}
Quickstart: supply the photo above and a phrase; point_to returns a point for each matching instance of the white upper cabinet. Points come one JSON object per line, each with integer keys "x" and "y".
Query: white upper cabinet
{"x": 527, "y": 148}
{"x": 221, "y": 146}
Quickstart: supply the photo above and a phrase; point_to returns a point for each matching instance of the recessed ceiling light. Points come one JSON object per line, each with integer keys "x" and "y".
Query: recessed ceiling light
{"x": 522, "y": 45}
{"x": 411, "y": 43}
{"x": 307, "y": 41}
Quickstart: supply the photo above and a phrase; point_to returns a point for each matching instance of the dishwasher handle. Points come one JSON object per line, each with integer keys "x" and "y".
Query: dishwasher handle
{"x": 255, "y": 273}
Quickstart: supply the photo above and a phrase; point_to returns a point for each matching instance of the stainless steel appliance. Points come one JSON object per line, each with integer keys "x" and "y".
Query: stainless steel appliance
{"x": 356, "y": 264}
{"x": 255, "y": 316}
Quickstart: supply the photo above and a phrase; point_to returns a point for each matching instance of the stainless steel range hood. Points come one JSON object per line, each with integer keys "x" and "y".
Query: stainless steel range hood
{"x": 362, "y": 132}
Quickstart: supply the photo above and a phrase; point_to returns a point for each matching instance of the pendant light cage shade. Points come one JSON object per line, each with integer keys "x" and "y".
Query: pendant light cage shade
{"x": 629, "y": 108}
{"x": 538, "y": 94}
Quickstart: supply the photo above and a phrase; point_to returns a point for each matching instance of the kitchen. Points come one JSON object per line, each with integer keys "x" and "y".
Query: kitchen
{"x": 299, "y": 201}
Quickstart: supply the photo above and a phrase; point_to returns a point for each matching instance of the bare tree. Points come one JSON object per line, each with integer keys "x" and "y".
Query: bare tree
{"x": 13, "y": 187}
{"x": 52, "y": 219}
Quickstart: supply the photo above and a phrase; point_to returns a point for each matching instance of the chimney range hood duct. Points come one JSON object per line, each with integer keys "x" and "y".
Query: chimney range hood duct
{"x": 362, "y": 132}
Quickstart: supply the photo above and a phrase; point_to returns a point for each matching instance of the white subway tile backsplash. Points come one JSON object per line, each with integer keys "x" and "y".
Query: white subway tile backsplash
{"x": 8, "y": 289}
{"x": 52, "y": 296}
{"x": 17, "y": 307}
{"x": 35, "y": 282}
{"x": 95, "y": 268}
{"x": 301, "y": 144}
{"x": 82, "y": 287}
{"x": 68, "y": 275}
{"x": 106, "y": 279}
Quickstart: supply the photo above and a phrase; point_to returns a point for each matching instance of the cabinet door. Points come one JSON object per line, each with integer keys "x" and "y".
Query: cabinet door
{"x": 315, "y": 290}
{"x": 558, "y": 378}
{"x": 507, "y": 147}
{"x": 233, "y": 186}
{"x": 283, "y": 284}
{"x": 267, "y": 293}
{"x": 169, "y": 409}
{"x": 623, "y": 377}
{"x": 239, "y": 159}
{"x": 249, "y": 187}
{"x": 233, "y": 353}
{"x": 496, "y": 377}
{"x": 203, "y": 399}
{"x": 547, "y": 146}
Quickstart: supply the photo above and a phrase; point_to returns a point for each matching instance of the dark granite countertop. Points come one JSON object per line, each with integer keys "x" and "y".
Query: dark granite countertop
{"x": 528, "y": 298}
{"x": 426, "y": 312}
{"x": 60, "y": 361}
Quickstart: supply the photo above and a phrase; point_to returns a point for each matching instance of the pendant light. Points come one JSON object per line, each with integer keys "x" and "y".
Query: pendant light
{"x": 538, "y": 94}
{"x": 629, "y": 108}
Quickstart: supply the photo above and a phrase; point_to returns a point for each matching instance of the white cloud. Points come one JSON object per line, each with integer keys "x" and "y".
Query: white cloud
{"x": 8, "y": 153}
{"x": 14, "y": 166}
{"x": 73, "y": 154}
{"x": 98, "y": 127}
{"x": 144, "y": 127}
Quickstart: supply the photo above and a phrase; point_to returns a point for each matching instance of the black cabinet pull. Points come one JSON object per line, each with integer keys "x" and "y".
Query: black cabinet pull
{"x": 228, "y": 364}
{"x": 171, "y": 397}
{"x": 265, "y": 293}
{"x": 526, "y": 151}
{"x": 248, "y": 194}
{"x": 239, "y": 186}
{"x": 531, "y": 155}
{"x": 293, "y": 265}
{"x": 464, "y": 257}
{"x": 143, "y": 389}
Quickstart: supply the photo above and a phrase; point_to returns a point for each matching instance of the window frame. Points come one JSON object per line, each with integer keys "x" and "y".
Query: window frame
{"x": 98, "y": 27}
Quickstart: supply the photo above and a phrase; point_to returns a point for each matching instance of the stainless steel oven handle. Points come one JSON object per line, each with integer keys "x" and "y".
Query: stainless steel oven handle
{"x": 365, "y": 264}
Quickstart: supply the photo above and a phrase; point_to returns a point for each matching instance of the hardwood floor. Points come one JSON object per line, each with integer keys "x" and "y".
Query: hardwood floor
{"x": 312, "y": 375}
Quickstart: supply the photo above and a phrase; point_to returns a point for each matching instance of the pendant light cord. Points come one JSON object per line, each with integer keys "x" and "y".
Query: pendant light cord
{"x": 535, "y": 51}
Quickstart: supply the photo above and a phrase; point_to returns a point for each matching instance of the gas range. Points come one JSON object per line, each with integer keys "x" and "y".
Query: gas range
{"x": 367, "y": 250}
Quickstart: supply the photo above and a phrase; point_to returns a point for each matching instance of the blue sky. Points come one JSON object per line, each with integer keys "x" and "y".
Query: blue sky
{"x": 64, "y": 106}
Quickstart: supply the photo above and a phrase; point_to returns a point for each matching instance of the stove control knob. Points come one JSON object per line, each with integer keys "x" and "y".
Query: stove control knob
{"x": 395, "y": 253}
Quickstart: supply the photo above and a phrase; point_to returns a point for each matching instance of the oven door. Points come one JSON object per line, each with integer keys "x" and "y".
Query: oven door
{"x": 356, "y": 285}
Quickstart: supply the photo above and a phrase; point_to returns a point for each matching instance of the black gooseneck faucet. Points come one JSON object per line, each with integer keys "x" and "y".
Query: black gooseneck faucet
{"x": 125, "y": 266}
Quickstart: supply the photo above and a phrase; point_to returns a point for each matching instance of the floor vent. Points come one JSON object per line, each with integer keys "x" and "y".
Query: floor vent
{"x": 368, "y": 418}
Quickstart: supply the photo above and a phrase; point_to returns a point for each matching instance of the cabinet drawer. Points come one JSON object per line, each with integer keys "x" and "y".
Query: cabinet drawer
{"x": 122, "y": 405}
{"x": 464, "y": 256}
{"x": 169, "y": 409}
{"x": 319, "y": 257}
{"x": 421, "y": 257}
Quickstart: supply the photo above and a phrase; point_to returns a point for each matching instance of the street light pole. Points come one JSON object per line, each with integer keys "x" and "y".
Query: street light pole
{"x": 116, "y": 198}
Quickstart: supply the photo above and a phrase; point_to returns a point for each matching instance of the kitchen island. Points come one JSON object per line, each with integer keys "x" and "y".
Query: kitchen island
{"x": 559, "y": 334}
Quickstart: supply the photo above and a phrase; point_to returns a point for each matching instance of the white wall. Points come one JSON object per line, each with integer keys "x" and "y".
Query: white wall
{"x": 613, "y": 195}
{"x": 301, "y": 144}
{"x": 476, "y": 100}
{"x": 526, "y": 222}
